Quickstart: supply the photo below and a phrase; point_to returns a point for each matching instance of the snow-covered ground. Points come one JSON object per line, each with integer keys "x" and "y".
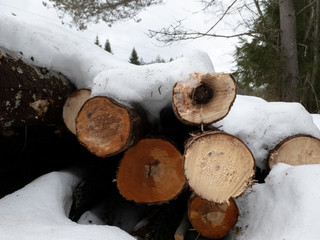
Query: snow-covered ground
{"x": 284, "y": 207}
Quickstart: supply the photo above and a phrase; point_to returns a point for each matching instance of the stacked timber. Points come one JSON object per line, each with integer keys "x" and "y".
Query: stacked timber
{"x": 215, "y": 166}
{"x": 158, "y": 163}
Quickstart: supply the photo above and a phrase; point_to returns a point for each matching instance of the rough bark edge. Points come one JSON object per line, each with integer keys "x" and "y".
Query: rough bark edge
{"x": 276, "y": 148}
{"x": 184, "y": 121}
{"x": 137, "y": 129}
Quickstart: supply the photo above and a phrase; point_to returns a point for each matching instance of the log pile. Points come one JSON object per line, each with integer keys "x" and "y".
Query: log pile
{"x": 181, "y": 159}
{"x": 215, "y": 166}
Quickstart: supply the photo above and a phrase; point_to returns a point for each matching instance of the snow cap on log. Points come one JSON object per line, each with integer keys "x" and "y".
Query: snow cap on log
{"x": 151, "y": 85}
{"x": 106, "y": 127}
{"x": 151, "y": 172}
{"x": 218, "y": 166}
{"x": 203, "y": 98}
{"x": 296, "y": 150}
{"x": 210, "y": 219}
{"x": 47, "y": 47}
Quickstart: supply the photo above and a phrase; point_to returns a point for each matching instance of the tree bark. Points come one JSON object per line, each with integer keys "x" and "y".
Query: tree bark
{"x": 151, "y": 172}
{"x": 106, "y": 127}
{"x": 72, "y": 107}
{"x": 296, "y": 150}
{"x": 218, "y": 166}
{"x": 212, "y": 220}
{"x": 316, "y": 39}
{"x": 203, "y": 98}
{"x": 290, "y": 51}
{"x": 30, "y": 95}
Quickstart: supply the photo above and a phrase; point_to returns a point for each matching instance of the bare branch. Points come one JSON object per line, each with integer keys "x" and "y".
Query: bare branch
{"x": 223, "y": 15}
{"x": 174, "y": 34}
{"x": 310, "y": 4}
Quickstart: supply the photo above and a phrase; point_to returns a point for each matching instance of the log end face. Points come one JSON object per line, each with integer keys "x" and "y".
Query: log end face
{"x": 296, "y": 150}
{"x": 218, "y": 166}
{"x": 210, "y": 219}
{"x": 151, "y": 172}
{"x": 103, "y": 126}
{"x": 204, "y": 98}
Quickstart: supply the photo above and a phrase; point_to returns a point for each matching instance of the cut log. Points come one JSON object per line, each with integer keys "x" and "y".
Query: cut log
{"x": 151, "y": 172}
{"x": 212, "y": 220}
{"x": 218, "y": 166}
{"x": 30, "y": 95}
{"x": 106, "y": 127}
{"x": 72, "y": 107}
{"x": 296, "y": 150}
{"x": 203, "y": 98}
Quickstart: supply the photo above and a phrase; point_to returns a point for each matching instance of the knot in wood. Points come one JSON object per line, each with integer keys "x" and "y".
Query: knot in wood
{"x": 202, "y": 94}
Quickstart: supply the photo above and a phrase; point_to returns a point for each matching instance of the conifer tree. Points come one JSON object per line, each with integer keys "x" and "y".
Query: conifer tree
{"x": 107, "y": 46}
{"x": 97, "y": 41}
{"x": 134, "y": 59}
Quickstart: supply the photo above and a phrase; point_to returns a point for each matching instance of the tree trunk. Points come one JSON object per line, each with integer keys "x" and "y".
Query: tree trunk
{"x": 151, "y": 172}
{"x": 315, "y": 67}
{"x": 29, "y": 95}
{"x": 296, "y": 150}
{"x": 72, "y": 107}
{"x": 211, "y": 219}
{"x": 218, "y": 166}
{"x": 203, "y": 98}
{"x": 106, "y": 127}
{"x": 290, "y": 51}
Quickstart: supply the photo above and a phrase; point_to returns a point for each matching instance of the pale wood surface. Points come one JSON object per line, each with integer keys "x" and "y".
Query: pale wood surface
{"x": 296, "y": 150}
{"x": 218, "y": 166}
{"x": 189, "y": 111}
{"x": 72, "y": 107}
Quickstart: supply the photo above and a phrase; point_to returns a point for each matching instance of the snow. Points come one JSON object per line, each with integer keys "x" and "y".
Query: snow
{"x": 261, "y": 125}
{"x": 40, "y": 210}
{"x": 150, "y": 85}
{"x": 89, "y": 66}
{"x": 55, "y": 48}
{"x": 284, "y": 207}
{"x": 316, "y": 119}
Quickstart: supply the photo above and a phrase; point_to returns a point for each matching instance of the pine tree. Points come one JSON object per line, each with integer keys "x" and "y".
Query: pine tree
{"x": 97, "y": 41}
{"x": 134, "y": 59}
{"x": 107, "y": 46}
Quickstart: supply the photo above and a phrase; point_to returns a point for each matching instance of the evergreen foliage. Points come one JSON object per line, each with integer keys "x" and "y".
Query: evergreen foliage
{"x": 97, "y": 41}
{"x": 260, "y": 61}
{"x": 134, "y": 59}
{"x": 94, "y": 11}
{"x": 107, "y": 46}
